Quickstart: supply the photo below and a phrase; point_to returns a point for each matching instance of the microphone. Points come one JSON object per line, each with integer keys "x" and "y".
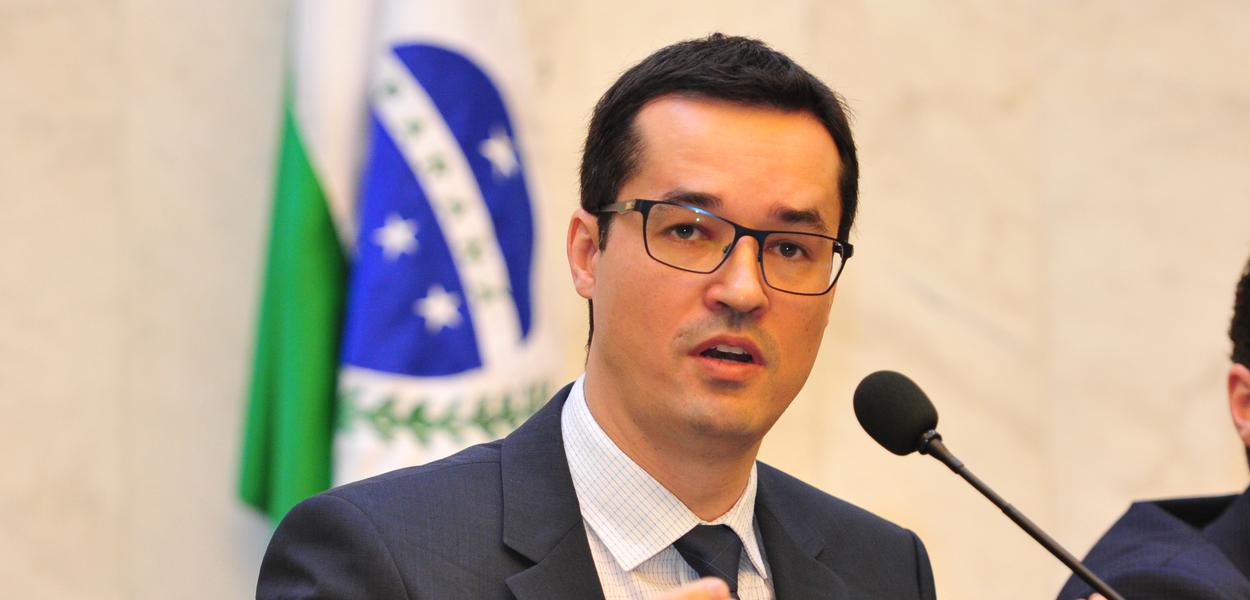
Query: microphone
{"x": 898, "y": 415}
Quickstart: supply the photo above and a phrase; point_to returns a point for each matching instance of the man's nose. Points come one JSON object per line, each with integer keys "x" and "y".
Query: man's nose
{"x": 738, "y": 283}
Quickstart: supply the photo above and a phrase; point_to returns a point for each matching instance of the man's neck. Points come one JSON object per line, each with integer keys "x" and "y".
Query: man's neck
{"x": 707, "y": 474}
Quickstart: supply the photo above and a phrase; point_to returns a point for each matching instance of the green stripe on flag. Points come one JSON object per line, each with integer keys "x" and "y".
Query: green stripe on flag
{"x": 288, "y": 435}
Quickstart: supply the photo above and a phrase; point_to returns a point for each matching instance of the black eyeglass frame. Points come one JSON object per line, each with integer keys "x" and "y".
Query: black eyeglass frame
{"x": 840, "y": 247}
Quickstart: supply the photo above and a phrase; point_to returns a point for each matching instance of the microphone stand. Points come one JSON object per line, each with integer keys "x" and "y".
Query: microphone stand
{"x": 931, "y": 444}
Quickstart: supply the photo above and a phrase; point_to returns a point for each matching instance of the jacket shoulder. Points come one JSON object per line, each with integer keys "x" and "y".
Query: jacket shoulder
{"x": 446, "y": 484}
{"x": 388, "y": 536}
{"x": 840, "y": 534}
{"x": 1174, "y": 575}
{"x": 1156, "y": 550}
{"x": 832, "y": 515}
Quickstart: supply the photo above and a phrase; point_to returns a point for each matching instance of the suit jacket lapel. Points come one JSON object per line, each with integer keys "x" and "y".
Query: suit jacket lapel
{"x": 541, "y": 517}
{"x": 542, "y": 522}
{"x": 791, "y": 549}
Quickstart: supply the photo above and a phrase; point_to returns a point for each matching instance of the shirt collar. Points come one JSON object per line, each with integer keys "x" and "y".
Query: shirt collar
{"x": 627, "y": 508}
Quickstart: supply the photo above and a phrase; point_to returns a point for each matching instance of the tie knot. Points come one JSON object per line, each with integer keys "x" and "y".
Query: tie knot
{"x": 712, "y": 550}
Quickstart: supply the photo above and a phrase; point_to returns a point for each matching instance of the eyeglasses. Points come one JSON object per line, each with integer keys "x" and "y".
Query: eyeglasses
{"x": 692, "y": 239}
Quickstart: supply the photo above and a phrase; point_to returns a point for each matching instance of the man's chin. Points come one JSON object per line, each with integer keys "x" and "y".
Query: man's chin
{"x": 727, "y": 417}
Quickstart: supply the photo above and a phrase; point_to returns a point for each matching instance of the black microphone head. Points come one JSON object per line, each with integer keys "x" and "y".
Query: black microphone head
{"x": 894, "y": 411}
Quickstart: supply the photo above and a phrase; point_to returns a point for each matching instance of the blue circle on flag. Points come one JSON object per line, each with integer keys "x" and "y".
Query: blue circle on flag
{"x": 406, "y": 309}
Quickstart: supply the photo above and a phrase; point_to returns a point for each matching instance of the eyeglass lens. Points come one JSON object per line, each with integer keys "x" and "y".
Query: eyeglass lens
{"x": 792, "y": 261}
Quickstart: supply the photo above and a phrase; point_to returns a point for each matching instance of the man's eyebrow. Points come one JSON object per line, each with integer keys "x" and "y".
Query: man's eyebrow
{"x": 806, "y": 216}
{"x": 783, "y": 214}
{"x": 698, "y": 199}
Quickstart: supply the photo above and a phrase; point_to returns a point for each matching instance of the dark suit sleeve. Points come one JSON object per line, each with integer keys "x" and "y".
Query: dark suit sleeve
{"x": 327, "y": 548}
{"x": 924, "y": 571}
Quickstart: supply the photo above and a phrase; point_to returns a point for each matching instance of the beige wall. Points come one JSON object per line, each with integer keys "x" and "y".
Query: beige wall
{"x": 1055, "y": 207}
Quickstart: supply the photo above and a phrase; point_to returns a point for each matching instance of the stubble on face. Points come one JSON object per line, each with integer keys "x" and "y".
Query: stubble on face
{"x": 690, "y": 334}
{"x": 754, "y": 160}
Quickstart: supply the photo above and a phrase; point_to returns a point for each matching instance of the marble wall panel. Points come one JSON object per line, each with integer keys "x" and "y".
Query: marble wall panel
{"x": 62, "y": 317}
{"x": 1147, "y": 197}
{"x": 202, "y": 105}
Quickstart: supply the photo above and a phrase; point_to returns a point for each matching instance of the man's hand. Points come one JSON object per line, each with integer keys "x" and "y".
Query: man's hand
{"x": 708, "y": 588}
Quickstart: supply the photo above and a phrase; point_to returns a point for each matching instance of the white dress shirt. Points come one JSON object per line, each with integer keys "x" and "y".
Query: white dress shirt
{"x": 632, "y": 520}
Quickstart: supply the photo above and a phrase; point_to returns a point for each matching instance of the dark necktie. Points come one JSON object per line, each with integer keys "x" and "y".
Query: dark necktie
{"x": 712, "y": 550}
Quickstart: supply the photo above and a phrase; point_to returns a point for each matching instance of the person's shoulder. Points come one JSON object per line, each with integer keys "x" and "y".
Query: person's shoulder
{"x": 1178, "y": 578}
{"x": 1156, "y": 550}
{"x": 381, "y": 536}
{"x": 806, "y": 498}
{"x": 1157, "y": 533}
{"x": 482, "y": 457}
{"x": 466, "y": 480}
{"x": 835, "y": 515}
{"x": 1166, "y": 566}
{"x": 839, "y": 532}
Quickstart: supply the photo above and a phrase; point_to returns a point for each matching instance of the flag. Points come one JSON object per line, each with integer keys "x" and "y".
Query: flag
{"x": 399, "y": 320}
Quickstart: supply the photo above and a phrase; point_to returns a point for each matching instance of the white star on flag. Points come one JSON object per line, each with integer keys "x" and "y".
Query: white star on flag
{"x": 439, "y": 308}
{"x": 398, "y": 236}
{"x": 499, "y": 151}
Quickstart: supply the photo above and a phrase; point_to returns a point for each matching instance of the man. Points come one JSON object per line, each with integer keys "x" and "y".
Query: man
{"x": 718, "y": 186}
{"x": 1188, "y": 549}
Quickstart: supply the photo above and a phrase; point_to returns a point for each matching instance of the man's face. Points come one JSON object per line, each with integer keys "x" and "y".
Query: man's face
{"x": 762, "y": 168}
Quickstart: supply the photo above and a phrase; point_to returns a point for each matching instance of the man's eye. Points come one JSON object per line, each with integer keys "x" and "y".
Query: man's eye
{"x": 684, "y": 232}
{"x": 790, "y": 250}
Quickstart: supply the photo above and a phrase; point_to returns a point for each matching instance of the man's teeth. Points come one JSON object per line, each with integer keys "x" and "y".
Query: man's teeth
{"x": 730, "y": 353}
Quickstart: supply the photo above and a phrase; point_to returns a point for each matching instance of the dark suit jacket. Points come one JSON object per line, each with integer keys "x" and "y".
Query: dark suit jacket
{"x": 1188, "y": 549}
{"x": 501, "y": 520}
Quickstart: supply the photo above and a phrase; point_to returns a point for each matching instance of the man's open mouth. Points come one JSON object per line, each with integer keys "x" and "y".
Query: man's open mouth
{"x": 727, "y": 352}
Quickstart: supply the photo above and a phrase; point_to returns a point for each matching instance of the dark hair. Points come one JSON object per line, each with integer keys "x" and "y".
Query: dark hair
{"x": 736, "y": 69}
{"x": 1239, "y": 329}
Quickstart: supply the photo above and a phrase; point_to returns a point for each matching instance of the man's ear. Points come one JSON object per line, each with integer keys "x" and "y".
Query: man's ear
{"x": 1239, "y": 400}
{"x": 582, "y": 247}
